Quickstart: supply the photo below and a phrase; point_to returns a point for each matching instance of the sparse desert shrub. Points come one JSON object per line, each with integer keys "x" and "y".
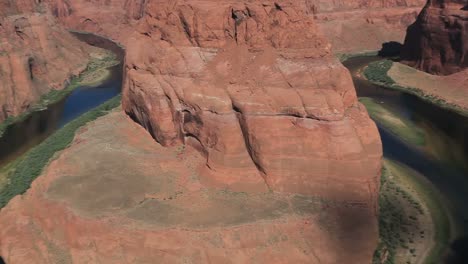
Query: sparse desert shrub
{"x": 377, "y": 72}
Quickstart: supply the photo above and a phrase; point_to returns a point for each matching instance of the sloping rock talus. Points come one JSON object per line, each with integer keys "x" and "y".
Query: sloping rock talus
{"x": 36, "y": 55}
{"x": 355, "y": 26}
{"x": 438, "y": 41}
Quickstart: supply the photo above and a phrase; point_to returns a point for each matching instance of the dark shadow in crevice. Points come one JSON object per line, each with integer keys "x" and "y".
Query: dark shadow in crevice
{"x": 390, "y": 49}
{"x": 2, "y": 261}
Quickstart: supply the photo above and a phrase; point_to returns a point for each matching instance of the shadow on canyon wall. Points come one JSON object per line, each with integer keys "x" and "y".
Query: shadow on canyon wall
{"x": 390, "y": 49}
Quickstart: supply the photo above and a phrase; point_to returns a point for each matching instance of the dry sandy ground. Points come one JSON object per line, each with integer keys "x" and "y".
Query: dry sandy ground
{"x": 452, "y": 88}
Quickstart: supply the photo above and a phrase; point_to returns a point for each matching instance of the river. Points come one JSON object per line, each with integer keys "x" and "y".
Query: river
{"x": 442, "y": 160}
{"x": 20, "y": 137}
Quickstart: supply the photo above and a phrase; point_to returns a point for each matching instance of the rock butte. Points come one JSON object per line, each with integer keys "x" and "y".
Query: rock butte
{"x": 36, "y": 55}
{"x": 438, "y": 41}
{"x": 255, "y": 88}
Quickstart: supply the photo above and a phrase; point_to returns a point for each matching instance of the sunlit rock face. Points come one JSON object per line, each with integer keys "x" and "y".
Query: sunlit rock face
{"x": 356, "y": 26}
{"x": 36, "y": 55}
{"x": 438, "y": 41}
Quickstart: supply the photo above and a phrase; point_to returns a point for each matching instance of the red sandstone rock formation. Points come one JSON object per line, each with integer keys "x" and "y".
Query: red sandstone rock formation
{"x": 257, "y": 90}
{"x": 254, "y": 86}
{"x": 355, "y": 26}
{"x": 346, "y": 24}
{"x": 232, "y": 79}
{"x": 438, "y": 41}
{"x": 36, "y": 55}
{"x": 112, "y": 18}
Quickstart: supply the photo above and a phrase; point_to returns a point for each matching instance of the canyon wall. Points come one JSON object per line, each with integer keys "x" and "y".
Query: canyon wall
{"x": 36, "y": 55}
{"x": 350, "y": 26}
{"x": 355, "y": 26}
{"x": 111, "y": 18}
{"x": 438, "y": 41}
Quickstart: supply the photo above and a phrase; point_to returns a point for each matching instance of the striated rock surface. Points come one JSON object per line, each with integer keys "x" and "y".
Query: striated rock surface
{"x": 356, "y": 26}
{"x": 36, "y": 55}
{"x": 438, "y": 41}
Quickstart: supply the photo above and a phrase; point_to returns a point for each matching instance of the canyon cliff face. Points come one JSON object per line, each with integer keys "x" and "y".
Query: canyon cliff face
{"x": 356, "y": 26}
{"x": 255, "y": 88}
{"x": 345, "y": 23}
{"x": 438, "y": 41}
{"x": 36, "y": 55}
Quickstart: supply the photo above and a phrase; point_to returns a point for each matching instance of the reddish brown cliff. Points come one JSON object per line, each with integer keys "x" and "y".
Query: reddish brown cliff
{"x": 355, "y": 26}
{"x": 36, "y": 55}
{"x": 438, "y": 41}
{"x": 345, "y": 23}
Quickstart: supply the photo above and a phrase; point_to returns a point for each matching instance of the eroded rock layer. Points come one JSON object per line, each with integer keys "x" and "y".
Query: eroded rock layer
{"x": 438, "y": 41}
{"x": 36, "y": 55}
{"x": 356, "y": 26}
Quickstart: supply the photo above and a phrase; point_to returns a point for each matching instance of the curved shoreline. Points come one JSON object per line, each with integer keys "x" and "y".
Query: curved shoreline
{"x": 54, "y": 96}
{"x": 417, "y": 187}
{"x": 24, "y": 170}
{"x": 382, "y": 74}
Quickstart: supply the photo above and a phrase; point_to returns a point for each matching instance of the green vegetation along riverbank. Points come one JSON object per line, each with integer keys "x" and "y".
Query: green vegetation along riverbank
{"x": 415, "y": 226}
{"x": 377, "y": 72}
{"x": 95, "y": 74}
{"x": 18, "y": 176}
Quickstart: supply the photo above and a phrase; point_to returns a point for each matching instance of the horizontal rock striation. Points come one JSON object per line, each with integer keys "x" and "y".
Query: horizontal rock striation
{"x": 36, "y": 55}
{"x": 438, "y": 41}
